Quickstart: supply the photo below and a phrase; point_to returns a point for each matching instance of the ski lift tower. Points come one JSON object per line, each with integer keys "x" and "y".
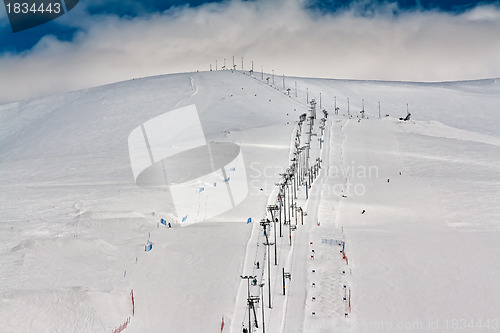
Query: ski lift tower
{"x": 250, "y": 300}
{"x": 272, "y": 209}
{"x": 313, "y": 107}
{"x": 266, "y": 223}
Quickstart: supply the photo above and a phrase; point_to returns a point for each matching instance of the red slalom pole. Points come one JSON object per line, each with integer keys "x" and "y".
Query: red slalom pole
{"x": 133, "y": 303}
{"x": 349, "y": 299}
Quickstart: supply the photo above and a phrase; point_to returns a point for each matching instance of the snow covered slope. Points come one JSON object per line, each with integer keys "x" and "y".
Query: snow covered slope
{"x": 73, "y": 220}
{"x": 73, "y": 223}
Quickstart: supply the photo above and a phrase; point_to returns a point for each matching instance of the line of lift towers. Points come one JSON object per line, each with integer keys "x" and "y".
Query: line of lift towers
{"x": 284, "y": 214}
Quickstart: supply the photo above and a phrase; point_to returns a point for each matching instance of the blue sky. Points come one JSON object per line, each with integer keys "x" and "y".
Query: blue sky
{"x": 105, "y": 41}
{"x": 22, "y": 41}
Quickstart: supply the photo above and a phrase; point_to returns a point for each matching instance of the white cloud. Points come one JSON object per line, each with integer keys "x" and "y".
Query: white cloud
{"x": 419, "y": 46}
{"x": 483, "y": 13}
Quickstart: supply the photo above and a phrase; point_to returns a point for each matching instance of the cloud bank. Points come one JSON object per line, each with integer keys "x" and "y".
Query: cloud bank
{"x": 384, "y": 44}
